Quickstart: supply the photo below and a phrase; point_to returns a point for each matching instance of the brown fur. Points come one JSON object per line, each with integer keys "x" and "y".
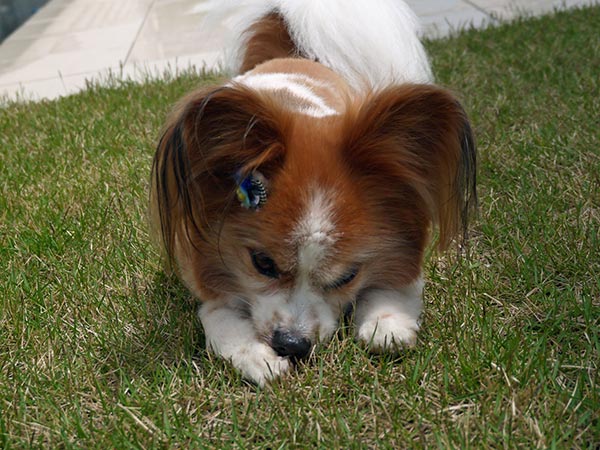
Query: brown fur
{"x": 212, "y": 135}
{"x": 267, "y": 39}
{"x": 417, "y": 137}
{"x": 397, "y": 162}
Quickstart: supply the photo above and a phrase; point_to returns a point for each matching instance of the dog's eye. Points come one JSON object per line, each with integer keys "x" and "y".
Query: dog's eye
{"x": 347, "y": 278}
{"x": 264, "y": 264}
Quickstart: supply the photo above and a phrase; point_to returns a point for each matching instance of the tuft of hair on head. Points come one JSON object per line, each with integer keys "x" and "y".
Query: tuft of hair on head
{"x": 419, "y": 136}
{"x": 213, "y": 135}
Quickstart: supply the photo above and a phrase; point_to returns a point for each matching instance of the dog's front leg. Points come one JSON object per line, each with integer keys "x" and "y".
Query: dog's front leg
{"x": 231, "y": 335}
{"x": 389, "y": 318}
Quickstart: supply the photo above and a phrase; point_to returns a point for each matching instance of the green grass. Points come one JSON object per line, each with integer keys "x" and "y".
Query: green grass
{"x": 99, "y": 349}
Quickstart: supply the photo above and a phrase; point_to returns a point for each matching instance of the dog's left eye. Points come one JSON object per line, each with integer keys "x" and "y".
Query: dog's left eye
{"x": 264, "y": 264}
{"x": 347, "y": 278}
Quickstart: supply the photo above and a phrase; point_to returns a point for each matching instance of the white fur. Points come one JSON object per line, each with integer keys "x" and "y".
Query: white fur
{"x": 371, "y": 43}
{"x": 300, "y": 310}
{"x": 232, "y": 336}
{"x": 315, "y": 233}
{"x": 385, "y": 318}
{"x": 294, "y": 85}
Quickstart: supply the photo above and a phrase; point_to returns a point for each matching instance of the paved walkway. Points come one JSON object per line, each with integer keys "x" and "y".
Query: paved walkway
{"x": 70, "y": 41}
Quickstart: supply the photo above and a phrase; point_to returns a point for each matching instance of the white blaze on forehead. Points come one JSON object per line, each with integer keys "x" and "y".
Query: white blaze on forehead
{"x": 303, "y": 309}
{"x": 314, "y": 233}
{"x": 299, "y": 88}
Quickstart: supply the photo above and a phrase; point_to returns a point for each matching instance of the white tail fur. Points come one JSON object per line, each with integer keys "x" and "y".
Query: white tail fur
{"x": 371, "y": 43}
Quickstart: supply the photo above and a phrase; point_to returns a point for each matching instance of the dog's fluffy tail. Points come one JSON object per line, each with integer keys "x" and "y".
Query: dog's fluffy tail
{"x": 370, "y": 43}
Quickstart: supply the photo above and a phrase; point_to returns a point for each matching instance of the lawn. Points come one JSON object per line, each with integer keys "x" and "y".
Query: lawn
{"x": 99, "y": 349}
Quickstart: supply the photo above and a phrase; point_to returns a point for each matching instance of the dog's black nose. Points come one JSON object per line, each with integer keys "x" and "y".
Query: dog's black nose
{"x": 289, "y": 344}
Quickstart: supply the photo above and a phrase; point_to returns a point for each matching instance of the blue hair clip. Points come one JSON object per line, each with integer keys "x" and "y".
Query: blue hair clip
{"x": 251, "y": 191}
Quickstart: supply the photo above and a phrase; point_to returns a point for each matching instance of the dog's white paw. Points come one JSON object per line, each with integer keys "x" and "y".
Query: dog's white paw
{"x": 387, "y": 320}
{"x": 259, "y": 363}
{"x": 388, "y": 331}
{"x": 233, "y": 338}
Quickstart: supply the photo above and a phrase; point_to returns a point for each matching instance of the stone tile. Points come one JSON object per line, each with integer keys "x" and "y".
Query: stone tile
{"x": 148, "y": 51}
{"x": 440, "y": 17}
{"x": 141, "y": 71}
{"x": 80, "y": 52}
{"x": 64, "y": 17}
{"x": 30, "y": 30}
{"x": 160, "y": 40}
{"x": 71, "y": 37}
{"x": 510, "y": 9}
{"x": 44, "y": 89}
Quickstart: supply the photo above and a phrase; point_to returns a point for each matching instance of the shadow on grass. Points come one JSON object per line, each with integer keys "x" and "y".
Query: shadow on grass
{"x": 162, "y": 335}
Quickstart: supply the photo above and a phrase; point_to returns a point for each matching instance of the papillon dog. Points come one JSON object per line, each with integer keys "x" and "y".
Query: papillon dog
{"x": 312, "y": 182}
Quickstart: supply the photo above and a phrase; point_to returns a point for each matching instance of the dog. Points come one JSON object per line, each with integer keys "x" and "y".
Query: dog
{"x": 313, "y": 181}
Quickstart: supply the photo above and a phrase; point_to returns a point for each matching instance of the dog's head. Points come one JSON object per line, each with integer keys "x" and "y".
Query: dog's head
{"x": 290, "y": 214}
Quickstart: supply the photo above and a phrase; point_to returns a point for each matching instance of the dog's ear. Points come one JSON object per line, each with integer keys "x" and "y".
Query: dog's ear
{"x": 419, "y": 135}
{"x": 213, "y": 136}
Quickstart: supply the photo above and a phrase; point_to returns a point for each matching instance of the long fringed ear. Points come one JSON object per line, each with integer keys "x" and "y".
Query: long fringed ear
{"x": 212, "y": 137}
{"x": 466, "y": 186}
{"x": 419, "y": 135}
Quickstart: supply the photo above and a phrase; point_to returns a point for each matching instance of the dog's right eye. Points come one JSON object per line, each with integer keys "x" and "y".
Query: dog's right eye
{"x": 264, "y": 264}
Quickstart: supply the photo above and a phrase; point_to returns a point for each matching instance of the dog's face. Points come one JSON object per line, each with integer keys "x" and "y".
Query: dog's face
{"x": 322, "y": 236}
{"x": 348, "y": 198}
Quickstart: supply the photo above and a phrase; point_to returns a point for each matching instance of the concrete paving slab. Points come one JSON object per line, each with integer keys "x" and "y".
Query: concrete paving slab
{"x": 50, "y": 88}
{"x": 441, "y": 17}
{"x": 158, "y": 40}
{"x": 84, "y": 51}
{"x": 510, "y": 9}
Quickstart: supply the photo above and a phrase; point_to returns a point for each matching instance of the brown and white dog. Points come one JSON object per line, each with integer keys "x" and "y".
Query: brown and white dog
{"x": 312, "y": 181}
